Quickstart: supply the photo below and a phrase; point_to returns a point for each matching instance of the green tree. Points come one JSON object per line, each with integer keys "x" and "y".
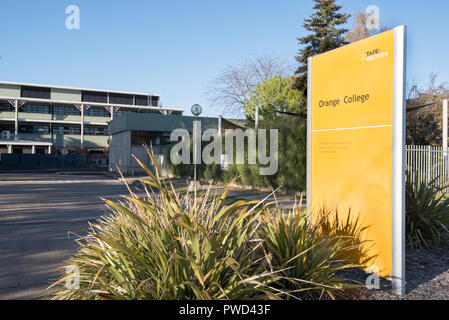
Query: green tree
{"x": 273, "y": 95}
{"x": 325, "y": 35}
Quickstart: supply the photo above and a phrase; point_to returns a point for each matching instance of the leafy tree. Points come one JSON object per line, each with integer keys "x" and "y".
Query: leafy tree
{"x": 325, "y": 35}
{"x": 273, "y": 95}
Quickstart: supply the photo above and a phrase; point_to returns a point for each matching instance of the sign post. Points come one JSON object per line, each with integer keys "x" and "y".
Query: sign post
{"x": 356, "y": 142}
{"x": 64, "y": 152}
{"x": 445, "y": 133}
{"x": 224, "y": 166}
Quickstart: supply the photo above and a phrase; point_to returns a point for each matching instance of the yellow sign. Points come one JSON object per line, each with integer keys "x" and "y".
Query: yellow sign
{"x": 355, "y": 154}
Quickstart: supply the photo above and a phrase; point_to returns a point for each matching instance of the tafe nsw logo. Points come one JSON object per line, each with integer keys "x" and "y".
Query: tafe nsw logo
{"x": 373, "y": 55}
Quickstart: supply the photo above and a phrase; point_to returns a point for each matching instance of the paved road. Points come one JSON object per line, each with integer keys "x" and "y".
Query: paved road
{"x": 40, "y": 215}
{"x": 37, "y": 212}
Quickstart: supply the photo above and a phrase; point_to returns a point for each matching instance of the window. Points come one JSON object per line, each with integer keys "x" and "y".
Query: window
{"x": 116, "y": 98}
{"x": 35, "y": 92}
{"x": 142, "y": 100}
{"x": 149, "y": 138}
{"x": 34, "y": 128}
{"x": 96, "y": 131}
{"x": 92, "y": 96}
{"x": 120, "y": 112}
{"x": 96, "y": 112}
{"x": 36, "y": 108}
{"x": 98, "y": 152}
{"x": 65, "y": 111}
{"x": 7, "y": 127}
{"x": 66, "y": 130}
{"x": 58, "y": 130}
{"x": 6, "y": 107}
{"x": 155, "y": 101}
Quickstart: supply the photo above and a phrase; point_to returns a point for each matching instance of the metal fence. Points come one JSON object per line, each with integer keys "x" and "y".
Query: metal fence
{"x": 427, "y": 163}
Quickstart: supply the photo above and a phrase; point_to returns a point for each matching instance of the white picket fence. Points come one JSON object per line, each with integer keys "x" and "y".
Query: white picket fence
{"x": 427, "y": 163}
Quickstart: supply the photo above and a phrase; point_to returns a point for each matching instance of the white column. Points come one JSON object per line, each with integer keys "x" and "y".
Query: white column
{"x": 82, "y": 127}
{"x": 33, "y": 149}
{"x": 445, "y": 115}
{"x": 49, "y": 149}
{"x": 257, "y": 117}
{"x": 16, "y": 120}
{"x": 220, "y": 120}
{"x": 10, "y": 149}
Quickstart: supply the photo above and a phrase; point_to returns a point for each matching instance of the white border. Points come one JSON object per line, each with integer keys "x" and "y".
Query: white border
{"x": 309, "y": 131}
{"x": 398, "y": 177}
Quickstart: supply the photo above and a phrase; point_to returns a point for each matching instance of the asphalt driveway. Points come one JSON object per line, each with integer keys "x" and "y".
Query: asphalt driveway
{"x": 40, "y": 213}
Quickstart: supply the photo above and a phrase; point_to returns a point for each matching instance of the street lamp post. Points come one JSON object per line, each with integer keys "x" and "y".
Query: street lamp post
{"x": 256, "y": 125}
{"x": 256, "y": 113}
{"x": 196, "y": 111}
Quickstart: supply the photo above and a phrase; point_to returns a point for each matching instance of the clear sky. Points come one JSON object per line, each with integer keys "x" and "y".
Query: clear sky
{"x": 175, "y": 48}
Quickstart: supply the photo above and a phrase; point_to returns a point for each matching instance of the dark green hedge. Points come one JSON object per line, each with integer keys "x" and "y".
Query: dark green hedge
{"x": 291, "y": 173}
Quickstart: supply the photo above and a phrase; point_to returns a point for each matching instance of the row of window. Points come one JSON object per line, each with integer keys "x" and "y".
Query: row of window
{"x": 45, "y": 129}
{"x": 119, "y": 98}
{"x": 95, "y": 131}
{"x": 65, "y": 110}
{"x": 95, "y": 112}
{"x": 35, "y": 92}
{"x": 35, "y": 108}
{"x": 93, "y": 96}
{"x": 150, "y": 138}
{"x": 34, "y": 129}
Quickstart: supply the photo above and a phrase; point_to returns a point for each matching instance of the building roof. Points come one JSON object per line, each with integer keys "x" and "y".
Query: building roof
{"x": 75, "y": 88}
{"x": 242, "y": 123}
{"x": 158, "y": 122}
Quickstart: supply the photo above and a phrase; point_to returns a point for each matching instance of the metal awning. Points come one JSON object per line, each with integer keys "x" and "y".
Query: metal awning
{"x": 25, "y": 143}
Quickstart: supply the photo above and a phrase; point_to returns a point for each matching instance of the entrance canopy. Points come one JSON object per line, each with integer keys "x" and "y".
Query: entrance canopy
{"x": 22, "y": 143}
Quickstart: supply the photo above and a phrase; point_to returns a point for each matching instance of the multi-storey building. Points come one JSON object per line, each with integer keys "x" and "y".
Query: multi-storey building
{"x": 56, "y": 117}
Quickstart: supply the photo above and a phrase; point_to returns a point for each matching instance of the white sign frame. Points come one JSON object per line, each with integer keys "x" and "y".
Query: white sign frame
{"x": 398, "y": 153}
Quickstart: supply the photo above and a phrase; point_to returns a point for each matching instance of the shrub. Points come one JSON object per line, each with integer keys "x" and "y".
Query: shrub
{"x": 168, "y": 246}
{"x": 291, "y": 173}
{"x": 312, "y": 254}
{"x": 427, "y": 214}
{"x": 350, "y": 232}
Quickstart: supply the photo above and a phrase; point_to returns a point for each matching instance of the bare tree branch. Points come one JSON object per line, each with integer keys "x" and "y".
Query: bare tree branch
{"x": 424, "y": 116}
{"x": 229, "y": 91}
{"x": 359, "y": 30}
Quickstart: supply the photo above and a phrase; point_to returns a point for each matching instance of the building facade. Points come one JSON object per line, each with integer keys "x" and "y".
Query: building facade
{"x": 129, "y": 133}
{"x": 65, "y": 117}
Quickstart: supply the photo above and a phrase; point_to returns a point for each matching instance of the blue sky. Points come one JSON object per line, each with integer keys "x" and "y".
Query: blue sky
{"x": 175, "y": 48}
